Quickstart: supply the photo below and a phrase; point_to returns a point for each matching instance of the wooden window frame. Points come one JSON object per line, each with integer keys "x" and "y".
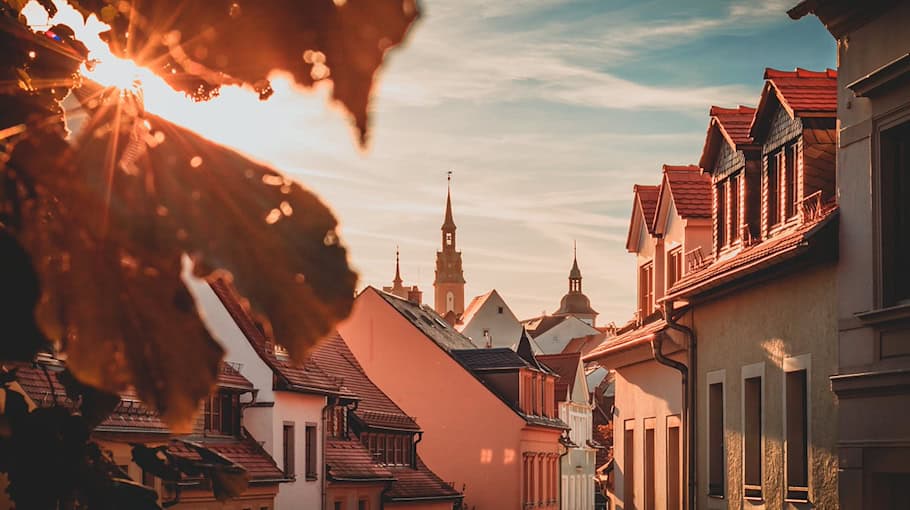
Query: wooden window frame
{"x": 646, "y": 289}
{"x": 753, "y": 491}
{"x": 734, "y": 202}
{"x": 799, "y": 493}
{"x": 675, "y": 269}
{"x": 716, "y": 378}
{"x": 288, "y": 449}
{"x": 628, "y": 467}
{"x": 312, "y": 454}
{"x": 720, "y": 193}
{"x": 885, "y": 200}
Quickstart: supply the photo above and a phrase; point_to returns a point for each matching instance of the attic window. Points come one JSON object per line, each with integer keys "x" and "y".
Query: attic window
{"x": 281, "y": 352}
{"x": 441, "y": 322}
{"x": 500, "y": 309}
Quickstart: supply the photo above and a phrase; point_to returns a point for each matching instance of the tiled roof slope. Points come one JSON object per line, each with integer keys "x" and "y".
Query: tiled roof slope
{"x": 690, "y": 190}
{"x": 428, "y": 322}
{"x": 584, "y": 344}
{"x": 348, "y": 459}
{"x": 230, "y": 377}
{"x": 498, "y": 358}
{"x": 474, "y": 306}
{"x": 734, "y": 123}
{"x": 419, "y": 483}
{"x": 627, "y": 340}
{"x": 647, "y": 196}
{"x": 375, "y": 409}
{"x": 756, "y": 257}
{"x": 805, "y": 91}
{"x": 245, "y": 452}
{"x": 566, "y": 366}
{"x": 540, "y": 325}
{"x": 309, "y": 378}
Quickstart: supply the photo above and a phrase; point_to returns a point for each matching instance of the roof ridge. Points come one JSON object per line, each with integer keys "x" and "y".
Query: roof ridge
{"x": 799, "y": 72}
{"x": 681, "y": 168}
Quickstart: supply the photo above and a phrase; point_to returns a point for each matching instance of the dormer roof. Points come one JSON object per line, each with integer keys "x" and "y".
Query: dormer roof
{"x": 644, "y": 205}
{"x": 801, "y": 93}
{"x": 727, "y": 125}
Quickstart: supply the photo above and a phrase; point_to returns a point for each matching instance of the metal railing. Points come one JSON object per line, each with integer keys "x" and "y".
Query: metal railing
{"x": 811, "y": 206}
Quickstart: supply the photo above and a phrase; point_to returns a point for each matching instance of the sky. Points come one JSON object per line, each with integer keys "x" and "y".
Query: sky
{"x": 546, "y": 111}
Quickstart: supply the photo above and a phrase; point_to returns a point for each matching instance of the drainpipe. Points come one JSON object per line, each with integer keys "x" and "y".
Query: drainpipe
{"x": 689, "y": 393}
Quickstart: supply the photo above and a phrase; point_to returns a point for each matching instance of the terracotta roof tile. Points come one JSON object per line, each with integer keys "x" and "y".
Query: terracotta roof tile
{"x": 690, "y": 190}
{"x": 647, "y": 196}
{"x": 566, "y": 367}
{"x": 420, "y": 483}
{"x": 734, "y": 123}
{"x": 348, "y": 459}
{"x": 801, "y": 92}
{"x": 540, "y": 325}
{"x": 230, "y": 377}
{"x": 584, "y": 344}
{"x": 429, "y": 322}
{"x": 308, "y": 378}
{"x": 245, "y": 452}
{"x": 497, "y": 358}
{"x": 375, "y": 409}
{"x": 753, "y": 258}
{"x": 627, "y": 340}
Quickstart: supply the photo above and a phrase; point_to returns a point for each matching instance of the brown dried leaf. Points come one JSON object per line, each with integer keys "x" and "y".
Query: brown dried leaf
{"x": 193, "y": 45}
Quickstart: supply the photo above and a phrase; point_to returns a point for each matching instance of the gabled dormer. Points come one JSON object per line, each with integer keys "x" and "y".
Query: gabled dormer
{"x": 642, "y": 242}
{"x": 682, "y": 222}
{"x": 795, "y": 126}
{"x": 733, "y": 161}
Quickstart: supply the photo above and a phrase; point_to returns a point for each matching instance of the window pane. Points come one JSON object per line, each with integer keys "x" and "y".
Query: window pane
{"x": 895, "y": 214}
{"x": 734, "y": 208}
{"x": 628, "y": 468}
{"x": 288, "y": 449}
{"x": 674, "y": 467}
{"x": 790, "y": 177}
{"x": 752, "y": 433}
{"x": 797, "y": 432}
{"x": 773, "y": 202}
{"x": 716, "y": 458}
{"x": 310, "y": 451}
{"x": 720, "y": 193}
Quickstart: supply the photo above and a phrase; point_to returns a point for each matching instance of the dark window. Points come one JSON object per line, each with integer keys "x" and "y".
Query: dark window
{"x": 392, "y": 449}
{"x": 338, "y": 505}
{"x": 895, "y": 214}
{"x": 646, "y": 289}
{"x": 734, "y": 208}
{"x": 650, "y": 462}
{"x": 500, "y": 309}
{"x": 716, "y": 458}
{"x": 310, "y": 452}
{"x": 797, "y": 436}
{"x": 721, "y": 193}
{"x": 674, "y": 266}
{"x": 674, "y": 469}
{"x": 790, "y": 176}
{"x": 752, "y": 434}
{"x": 363, "y": 505}
{"x": 628, "y": 468}
{"x": 222, "y": 413}
{"x": 288, "y": 449}
{"x": 773, "y": 180}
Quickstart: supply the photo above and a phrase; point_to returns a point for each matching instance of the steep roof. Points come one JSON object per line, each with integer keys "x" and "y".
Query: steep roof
{"x": 537, "y": 326}
{"x": 375, "y": 408}
{"x": 308, "y": 378}
{"x": 428, "y": 322}
{"x": 584, "y": 344}
{"x": 638, "y": 336}
{"x": 690, "y": 190}
{"x": 473, "y": 307}
{"x": 245, "y": 451}
{"x": 566, "y": 367}
{"x": 728, "y": 125}
{"x": 349, "y": 460}
{"x": 646, "y": 197}
{"x": 800, "y": 92}
{"x": 418, "y": 483}
{"x": 496, "y": 358}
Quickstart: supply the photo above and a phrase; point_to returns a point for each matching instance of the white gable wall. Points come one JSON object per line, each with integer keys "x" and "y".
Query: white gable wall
{"x": 504, "y": 328}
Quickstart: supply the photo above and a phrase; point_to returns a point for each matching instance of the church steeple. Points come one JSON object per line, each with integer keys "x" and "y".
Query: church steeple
{"x": 575, "y": 303}
{"x": 397, "y": 281}
{"x": 449, "y": 282}
{"x": 575, "y": 273}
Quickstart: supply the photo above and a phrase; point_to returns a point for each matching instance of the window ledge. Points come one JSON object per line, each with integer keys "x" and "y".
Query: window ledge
{"x": 311, "y": 478}
{"x": 885, "y": 315}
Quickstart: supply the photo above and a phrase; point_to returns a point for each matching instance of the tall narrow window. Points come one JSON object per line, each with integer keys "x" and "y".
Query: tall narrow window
{"x": 734, "y": 208}
{"x": 895, "y": 214}
{"x": 674, "y": 265}
{"x": 221, "y": 413}
{"x": 650, "y": 466}
{"x": 310, "y": 451}
{"x": 288, "y": 449}
{"x": 674, "y": 465}
{"x": 720, "y": 192}
{"x": 717, "y": 468}
{"x": 646, "y": 289}
{"x": 628, "y": 465}
{"x": 752, "y": 435}
{"x": 797, "y": 447}
{"x": 363, "y": 504}
{"x": 773, "y": 181}
{"x": 790, "y": 178}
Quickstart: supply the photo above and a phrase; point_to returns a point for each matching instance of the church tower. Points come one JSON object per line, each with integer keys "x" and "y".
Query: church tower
{"x": 449, "y": 282}
{"x": 575, "y": 303}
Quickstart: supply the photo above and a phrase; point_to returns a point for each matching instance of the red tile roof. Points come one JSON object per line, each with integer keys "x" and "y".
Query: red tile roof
{"x": 308, "y": 378}
{"x": 230, "y": 377}
{"x": 348, "y": 459}
{"x": 646, "y": 197}
{"x": 690, "y": 190}
{"x": 638, "y": 336}
{"x": 584, "y": 344}
{"x": 729, "y": 124}
{"x": 375, "y": 409}
{"x": 566, "y": 367}
{"x": 419, "y": 483}
{"x": 800, "y": 92}
{"x": 245, "y": 452}
{"x": 754, "y": 258}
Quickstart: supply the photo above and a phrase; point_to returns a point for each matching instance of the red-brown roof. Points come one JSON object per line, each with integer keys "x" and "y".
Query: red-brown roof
{"x": 375, "y": 409}
{"x": 566, "y": 367}
{"x": 348, "y": 459}
{"x": 800, "y": 92}
{"x": 245, "y": 452}
{"x": 647, "y": 196}
{"x": 754, "y": 258}
{"x": 584, "y": 344}
{"x": 419, "y": 483}
{"x": 308, "y": 378}
{"x": 731, "y": 125}
{"x": 230, "y": 377}
{"x": 690, "y": 190}
{"x": 627, "y": 340}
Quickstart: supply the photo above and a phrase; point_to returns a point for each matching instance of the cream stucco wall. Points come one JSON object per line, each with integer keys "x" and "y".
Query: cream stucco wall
{"x": 554, "y": 340}
{"x": 504, "y": 327}
{"x": 793, "y": 315}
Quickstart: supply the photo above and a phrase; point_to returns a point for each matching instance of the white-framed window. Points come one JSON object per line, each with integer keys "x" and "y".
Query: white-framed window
{"x": 715, "y": 420}
{"x": 753, "y": 429}
{"x": 797, "y": 433}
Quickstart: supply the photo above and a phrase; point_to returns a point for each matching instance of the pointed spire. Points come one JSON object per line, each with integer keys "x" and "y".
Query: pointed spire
{"x": 449, "y": 223}
{"x": 575, "y": 272}
{"x": 397, "y": 281}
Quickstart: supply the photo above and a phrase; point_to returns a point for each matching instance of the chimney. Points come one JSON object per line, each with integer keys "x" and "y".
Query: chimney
{"x": 415, "y": 296}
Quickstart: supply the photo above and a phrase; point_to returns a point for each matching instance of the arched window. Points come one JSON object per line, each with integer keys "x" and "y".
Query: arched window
{"x": 448, "y": 238}
{"x": 450, "y": 302}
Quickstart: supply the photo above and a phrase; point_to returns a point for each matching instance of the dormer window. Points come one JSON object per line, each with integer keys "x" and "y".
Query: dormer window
{"x": 674, "y": 265}
{"x": 221, "y": 413}
{"x": 734, "y": 209}
{"x": 338, "y": 422}
{"x": 646, "y": 289}
{"x": 782, "y": 181}
{"x": 281, "y": 352}
{"x": 389, "y": 449}
{"x": 721, "y": 194}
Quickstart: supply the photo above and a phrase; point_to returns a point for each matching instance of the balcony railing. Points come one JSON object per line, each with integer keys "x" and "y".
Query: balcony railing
{"x": 695, "y": 260}
{"x": 811, "y": 206}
